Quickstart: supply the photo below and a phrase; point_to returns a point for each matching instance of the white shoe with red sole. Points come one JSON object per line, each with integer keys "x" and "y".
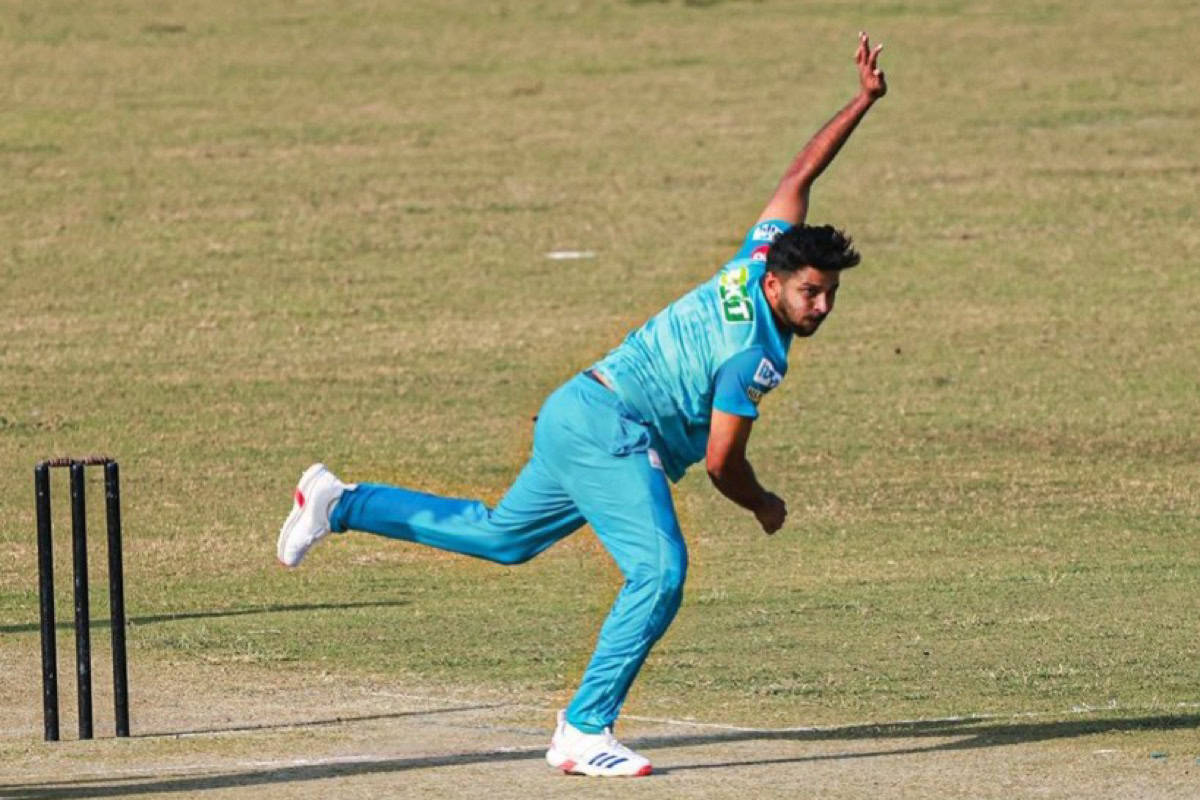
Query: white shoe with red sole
{"x": 595, "y": 754}
{"x": 314, "y": 499}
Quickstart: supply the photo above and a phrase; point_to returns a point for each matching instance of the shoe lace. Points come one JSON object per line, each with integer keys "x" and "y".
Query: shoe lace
{"x": 611, "y": 743}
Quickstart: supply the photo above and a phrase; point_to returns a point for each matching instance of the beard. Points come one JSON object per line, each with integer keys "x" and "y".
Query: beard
{"x": 798, "y": 322}
{"x": 807, "y": 327}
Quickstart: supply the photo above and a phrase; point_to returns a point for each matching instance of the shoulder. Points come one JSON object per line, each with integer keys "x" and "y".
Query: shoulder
{"x": 759, "y": 364}
{"x": 744, "y": 378}
{"x": 759, "y": 238}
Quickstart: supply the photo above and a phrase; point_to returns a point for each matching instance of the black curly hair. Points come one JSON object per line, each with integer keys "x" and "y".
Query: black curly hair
{"x": 821, "y": 247}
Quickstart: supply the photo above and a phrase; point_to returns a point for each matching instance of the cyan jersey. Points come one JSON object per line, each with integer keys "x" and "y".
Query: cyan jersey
{"x": 716, "y": 347}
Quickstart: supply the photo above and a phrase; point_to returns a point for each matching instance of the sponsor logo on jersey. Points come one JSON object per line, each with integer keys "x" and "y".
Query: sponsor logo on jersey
{"x": 735, "y": 295}
{"x": 766, "y": 375}
{"x": 760, "y": 253}
{"x": 766, "y": 232}
{"x": 754, "y": 393}
{"x": 655, "y": 461}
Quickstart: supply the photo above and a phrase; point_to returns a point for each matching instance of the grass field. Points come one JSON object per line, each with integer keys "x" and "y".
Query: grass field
{"x": 236, "y": 238}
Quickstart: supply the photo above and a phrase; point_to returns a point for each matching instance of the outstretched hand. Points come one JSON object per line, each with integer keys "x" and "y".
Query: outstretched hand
{"x": 870, "y": 76}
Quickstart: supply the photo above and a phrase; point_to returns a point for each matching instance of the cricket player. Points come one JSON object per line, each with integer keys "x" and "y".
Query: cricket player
{"x": 685, "y": 386}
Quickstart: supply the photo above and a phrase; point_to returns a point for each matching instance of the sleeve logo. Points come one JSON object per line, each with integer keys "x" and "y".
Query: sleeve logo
{"x": 754, "y": 393}
{"x": 767, "y": 376}
{"x": 735, "y": 296}
{"x": 766, "y": 232}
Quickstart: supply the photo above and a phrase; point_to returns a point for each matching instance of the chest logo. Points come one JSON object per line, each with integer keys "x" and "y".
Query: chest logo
{"x": 735, "y": 295}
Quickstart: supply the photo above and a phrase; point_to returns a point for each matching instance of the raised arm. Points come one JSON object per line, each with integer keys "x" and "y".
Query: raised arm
{"x": 790, "y": 201}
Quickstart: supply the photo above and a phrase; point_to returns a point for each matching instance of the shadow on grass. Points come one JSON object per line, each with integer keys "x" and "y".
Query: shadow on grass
{"x": 152, "y": 619}
{"x": 965, "y": 734}
{"x": 310, "y": 723}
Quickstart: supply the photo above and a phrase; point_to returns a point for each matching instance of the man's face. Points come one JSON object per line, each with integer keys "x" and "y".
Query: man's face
{"x": 802, "y": 299}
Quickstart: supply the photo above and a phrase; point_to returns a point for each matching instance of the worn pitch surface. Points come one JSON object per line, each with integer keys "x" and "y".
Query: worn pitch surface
{"x": 251, "y": 732}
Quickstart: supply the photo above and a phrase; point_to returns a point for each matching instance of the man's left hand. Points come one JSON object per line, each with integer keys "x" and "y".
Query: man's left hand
{"x": 771, "y": 512}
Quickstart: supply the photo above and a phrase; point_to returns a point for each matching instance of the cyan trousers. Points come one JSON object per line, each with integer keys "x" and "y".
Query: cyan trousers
{"x": 592, "y": 462}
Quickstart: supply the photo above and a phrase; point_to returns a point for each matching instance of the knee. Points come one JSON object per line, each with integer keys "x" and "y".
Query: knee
{"x": 663, "y": 580}
{"x": 662, "y": 590}
{"x": 672, "y": 588}
{"x": 671, "y": 579}
{"x": 514, "y": 554}
{"x": 512, "y": 559}
{"x": 520, "y": 549}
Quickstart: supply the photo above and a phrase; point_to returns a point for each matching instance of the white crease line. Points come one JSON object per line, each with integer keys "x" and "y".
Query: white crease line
{"x": 1074, "y": 710}
{"x": 497, "y": 704}
{"x": 500, "y": 704}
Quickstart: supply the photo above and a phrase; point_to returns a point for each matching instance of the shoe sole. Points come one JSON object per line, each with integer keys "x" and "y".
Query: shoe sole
{"x": 569, "y": 767}
{"x": 297, "y": 511}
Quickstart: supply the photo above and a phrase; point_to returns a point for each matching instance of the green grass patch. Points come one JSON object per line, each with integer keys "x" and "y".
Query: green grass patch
{"x": 238, "y": 238}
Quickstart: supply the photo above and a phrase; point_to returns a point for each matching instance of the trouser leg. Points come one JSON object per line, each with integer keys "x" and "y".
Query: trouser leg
{"x": 534, "y": 514}
{"x": 600, "y": 455}
{"x": 638, "y": 527}
{"x": 589, "y": 461}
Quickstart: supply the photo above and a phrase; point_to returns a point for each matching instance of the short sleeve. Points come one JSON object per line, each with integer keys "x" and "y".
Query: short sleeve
{"x": 742, "y": 381}
{"x": 758, "y": 239}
